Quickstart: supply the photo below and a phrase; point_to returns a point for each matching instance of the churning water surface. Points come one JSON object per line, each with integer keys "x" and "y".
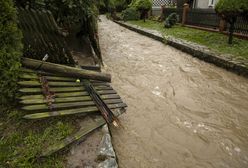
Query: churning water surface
{"x": 183, "y": 112}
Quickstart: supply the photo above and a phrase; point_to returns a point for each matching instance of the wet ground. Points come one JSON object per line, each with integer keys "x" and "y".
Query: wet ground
{"x": 183, "y": 112}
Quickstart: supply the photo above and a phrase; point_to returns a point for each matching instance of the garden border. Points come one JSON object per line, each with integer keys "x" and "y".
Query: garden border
{"x": 225, "y": 61}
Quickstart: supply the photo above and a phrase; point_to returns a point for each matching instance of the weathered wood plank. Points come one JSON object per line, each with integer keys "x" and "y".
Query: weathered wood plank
{"x": 49, "y": 78}
{"x": 99, "y": 121}
{"x": 65, "y": 70}
{"x": 37, "y": 83}
{"x": 57, "y": 100}
{"x": 100, "y": 84}
{"x": 59, "y": 89}
{"x": 61, "y": 84}
{"x": 71, "y": 94}
{"x": 92, "y": 67}
{"x": 100, "y": 90}
{"x": 110, "y": 96}
{"x": 67, "y": 105}
{"x": 57, "y": 105}
{"x": 60, "y": 100}
{"x": 104, "y": 92}
{"x": 34, "y": 76}
{"x": 84, "y": 110}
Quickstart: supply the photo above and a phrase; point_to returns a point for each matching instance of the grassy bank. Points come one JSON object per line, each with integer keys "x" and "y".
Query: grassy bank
{"x": 215, "y": 41}
{"x": 22, "y": 140}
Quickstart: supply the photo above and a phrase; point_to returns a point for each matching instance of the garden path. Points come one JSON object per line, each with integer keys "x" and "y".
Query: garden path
{"x": 182, "y": 112}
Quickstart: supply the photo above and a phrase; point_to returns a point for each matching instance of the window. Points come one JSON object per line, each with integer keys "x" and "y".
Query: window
{"x": 211, "y": 3}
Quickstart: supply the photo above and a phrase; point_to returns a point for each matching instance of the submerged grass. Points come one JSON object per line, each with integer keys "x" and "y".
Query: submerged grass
{"x": 23, "y": 140}
{"x": 215, "y": 41}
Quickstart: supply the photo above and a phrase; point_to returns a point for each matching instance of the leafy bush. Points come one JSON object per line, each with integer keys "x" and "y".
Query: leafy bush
{"x": 65, "y": 11}
{"x": 171, "y": 20}
{"x": 118, "y": 5}
{"x": 10, "y": 51}
{"x": 229, "y": 10}
{"x": 130, "y": 14}
{"x": 231, "y": 7}
{"x": 141, "y": 4}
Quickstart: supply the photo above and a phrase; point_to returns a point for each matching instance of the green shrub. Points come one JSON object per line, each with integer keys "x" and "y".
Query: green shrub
{"x": 10, "y": 51}
{"x": 130, "y": 14}
{"x": 171, "y": 20}
{"x": 141, "y": 4}
{"x": 117, "y": 5}
{"x": 231, "y": 7}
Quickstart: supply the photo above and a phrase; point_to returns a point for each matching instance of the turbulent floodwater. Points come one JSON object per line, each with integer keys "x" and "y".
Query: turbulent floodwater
{"x": 182, "y": 112}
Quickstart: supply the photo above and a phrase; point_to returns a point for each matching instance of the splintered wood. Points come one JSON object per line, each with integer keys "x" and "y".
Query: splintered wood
{"x": 47, "y": 94}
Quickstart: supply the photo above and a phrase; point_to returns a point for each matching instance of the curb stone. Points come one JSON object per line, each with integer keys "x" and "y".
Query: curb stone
{"x": 226, "y": 61}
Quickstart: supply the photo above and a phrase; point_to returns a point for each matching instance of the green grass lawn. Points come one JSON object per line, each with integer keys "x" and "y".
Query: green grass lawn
{"x": 21, "y": 141}
{"x": 215, "y": 41}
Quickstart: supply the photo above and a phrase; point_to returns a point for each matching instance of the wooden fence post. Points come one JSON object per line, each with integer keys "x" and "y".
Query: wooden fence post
{"x": 185, "y": 13}
{"x": 162, "y": 16}
{"x": 222, "y": 25}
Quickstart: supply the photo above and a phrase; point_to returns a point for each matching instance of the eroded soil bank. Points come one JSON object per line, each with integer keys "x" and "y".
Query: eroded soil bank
{"x": 182, "y": 112}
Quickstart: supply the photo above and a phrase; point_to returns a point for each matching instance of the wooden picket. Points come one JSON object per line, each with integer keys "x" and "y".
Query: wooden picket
{"x": 41, "y": 37}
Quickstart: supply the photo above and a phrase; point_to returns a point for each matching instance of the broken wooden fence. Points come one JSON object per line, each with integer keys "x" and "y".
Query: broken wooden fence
{"x": 41, "y": 36}
{"x": 47, "y": 94}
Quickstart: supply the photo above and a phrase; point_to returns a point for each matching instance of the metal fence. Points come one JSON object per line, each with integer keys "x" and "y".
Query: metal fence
{"x": 158, "y": 3}
{"x": 208, "y": 18}
{"x": 203, "y": 17}
{"x": 241, "y": 26}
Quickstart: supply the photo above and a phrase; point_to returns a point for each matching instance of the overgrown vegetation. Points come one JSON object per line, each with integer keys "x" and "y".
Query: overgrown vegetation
{"x": 65, "y": 12}
{"x": 137, "y": 9}
{"x": 22, "y": 141}
{"x": 117, "y": 5}
{"x": 171, "y": 20}
{"x": 214, "y": 41}
{"x": 229, "y": 10}
{"x": 10, "y": 52}
{"x": 130, "y": 14}
{"x": 143, "y": 6}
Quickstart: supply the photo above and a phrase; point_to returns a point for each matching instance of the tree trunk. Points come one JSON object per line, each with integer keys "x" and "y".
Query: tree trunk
{"x": 144, "y": 14}
{"x": 231, "y": 29}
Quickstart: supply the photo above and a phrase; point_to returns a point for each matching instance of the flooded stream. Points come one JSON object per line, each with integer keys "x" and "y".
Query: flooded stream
{"x": 182, "y": 112}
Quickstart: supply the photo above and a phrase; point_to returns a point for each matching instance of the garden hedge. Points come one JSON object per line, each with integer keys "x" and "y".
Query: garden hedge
{"x": 10, "y": 51}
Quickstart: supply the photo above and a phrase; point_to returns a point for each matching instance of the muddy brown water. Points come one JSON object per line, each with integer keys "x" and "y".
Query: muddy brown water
{"x": 183, "y": 112}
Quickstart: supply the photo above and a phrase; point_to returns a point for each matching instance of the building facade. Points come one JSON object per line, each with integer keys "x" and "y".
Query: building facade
{"x": 204, "y": 4}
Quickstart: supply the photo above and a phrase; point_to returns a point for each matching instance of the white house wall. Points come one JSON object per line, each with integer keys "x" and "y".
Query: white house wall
{"x": 203, "y": 3}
